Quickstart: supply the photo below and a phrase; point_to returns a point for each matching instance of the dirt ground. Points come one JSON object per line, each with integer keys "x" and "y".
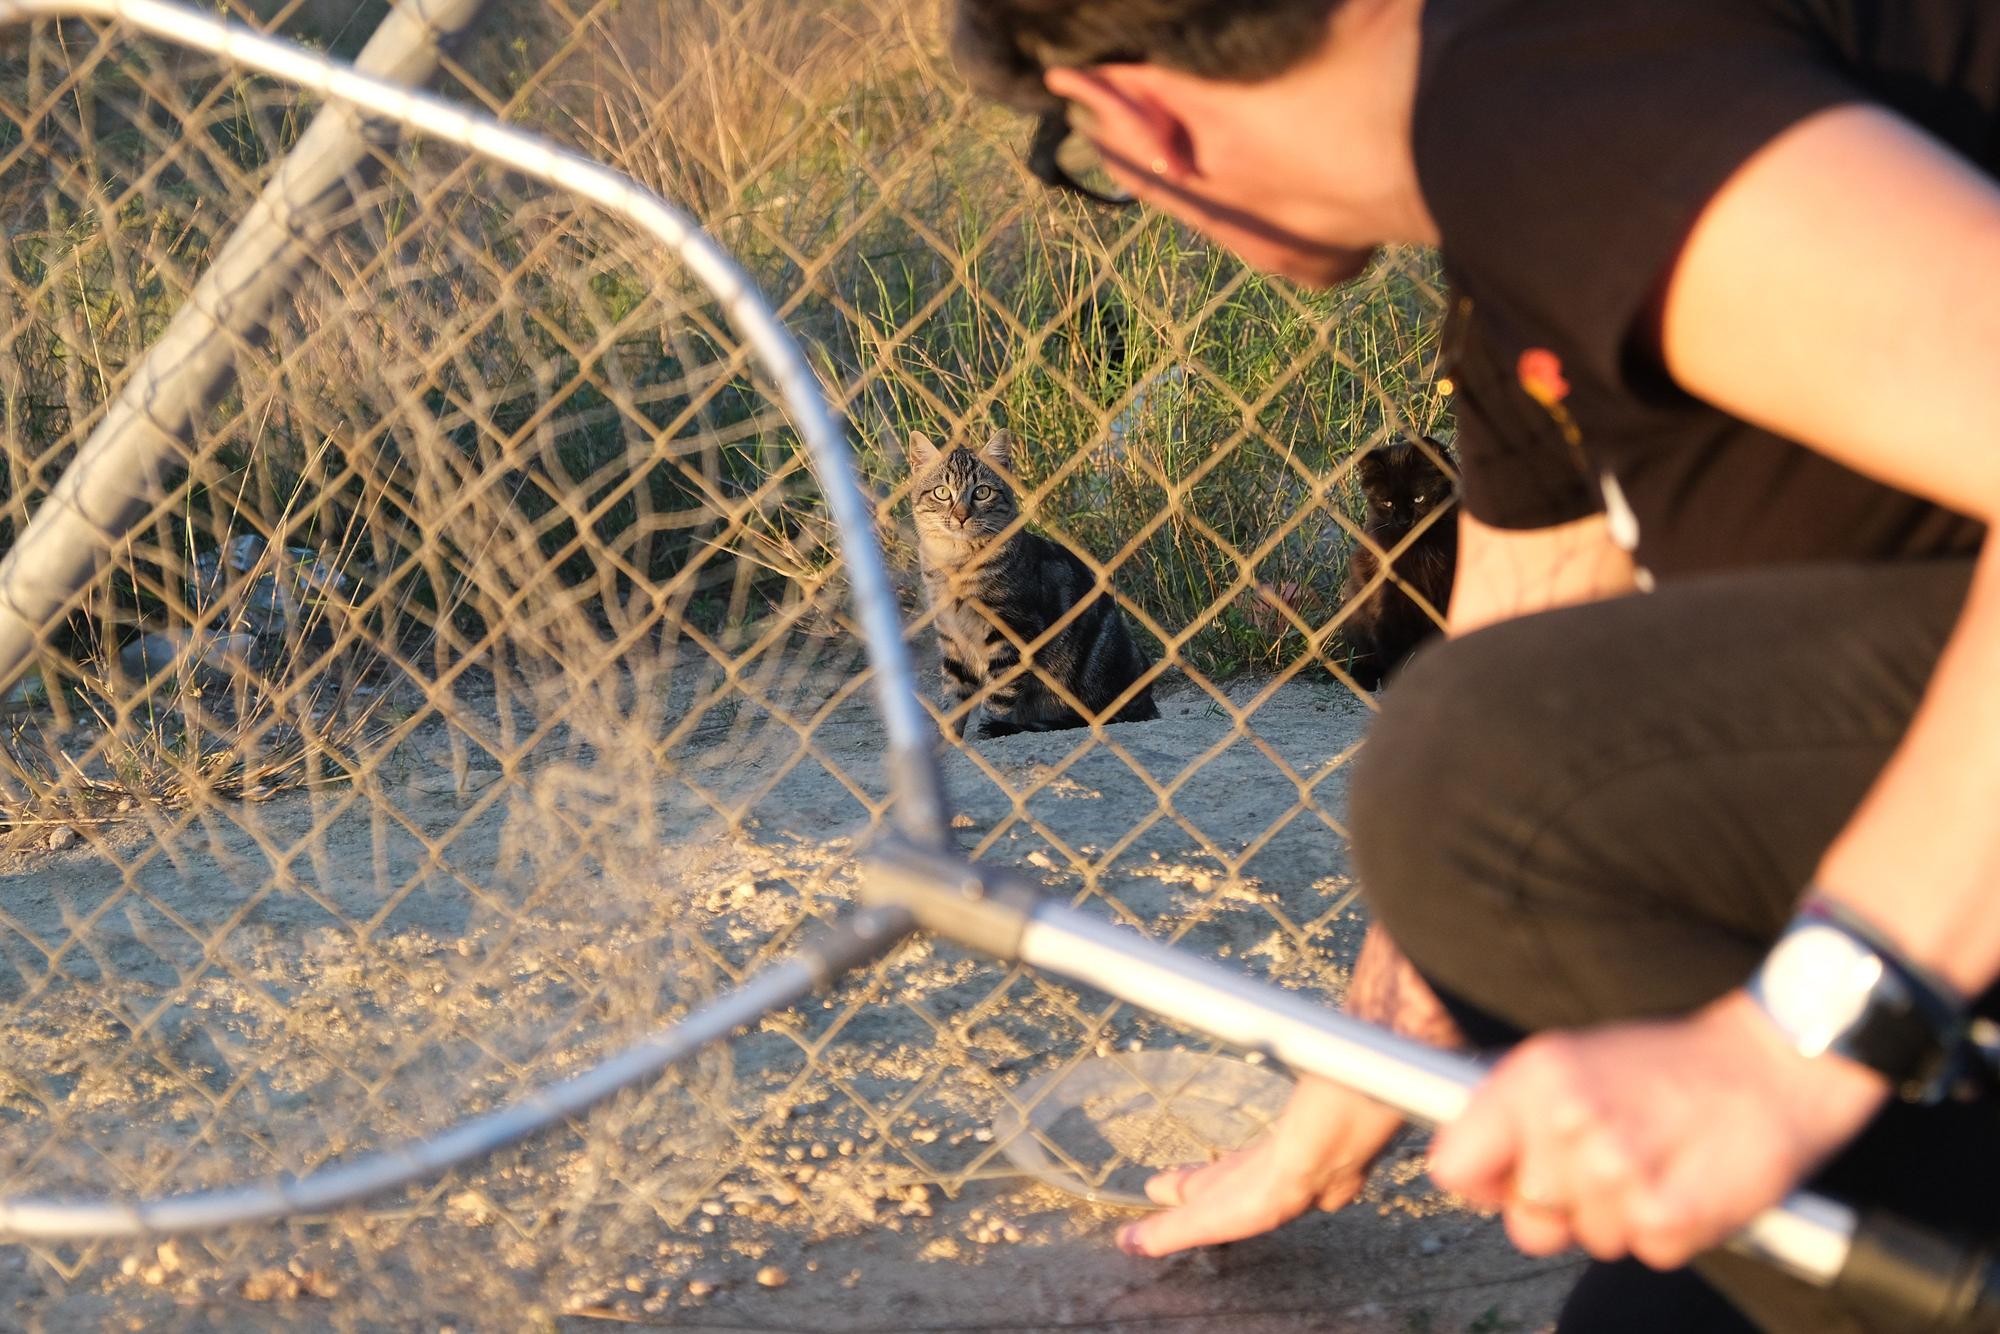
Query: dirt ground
{"x": 304, "y": 979}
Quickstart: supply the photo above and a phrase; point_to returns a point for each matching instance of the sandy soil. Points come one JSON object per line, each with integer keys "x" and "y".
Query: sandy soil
{"x": 262, "y": 987}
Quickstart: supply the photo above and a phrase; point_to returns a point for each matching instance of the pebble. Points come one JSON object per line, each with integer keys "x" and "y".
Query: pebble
{"x": 270, "y": 1285}
{"x": 770, "y": 1276}
{"x": 633, "y": 1283}
{"x": 700, "y": 1288}
{"x": 61, "y": 837}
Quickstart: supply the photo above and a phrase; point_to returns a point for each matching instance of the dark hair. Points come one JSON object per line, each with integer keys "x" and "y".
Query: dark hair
{"x": 1003, "y": 47}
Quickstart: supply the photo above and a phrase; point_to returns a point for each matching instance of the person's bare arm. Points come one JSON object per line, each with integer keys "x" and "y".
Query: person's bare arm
{"x": 1504, "y": 573}
{"x": 1841, "y": 290}
{"x": 1845, "y": 291}
{"x": 1320, "y": 1152}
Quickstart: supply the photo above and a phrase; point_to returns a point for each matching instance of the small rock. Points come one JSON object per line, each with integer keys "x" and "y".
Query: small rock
{"x": 770, "y": 1276}
{"x": 700, "y": 1288}
{"x": 633, "y": 1283}
{"x": 468, "y": 1209}
{"x": 170, "y": 1257}
{"x": 61, "y": 837}
{"x": 129, "y": 1266}
{"x": 270, "y": 1285}
{"x": 713, "y": 1208}
{"x": 1430, "y": 1245}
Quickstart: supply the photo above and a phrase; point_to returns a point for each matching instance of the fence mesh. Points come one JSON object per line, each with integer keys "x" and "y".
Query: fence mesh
{"x": 482, "y": 696}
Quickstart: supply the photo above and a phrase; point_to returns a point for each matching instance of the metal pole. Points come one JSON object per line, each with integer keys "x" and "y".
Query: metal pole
{"x": 1809, "y": 1235}
{"x": 120, "y": 472}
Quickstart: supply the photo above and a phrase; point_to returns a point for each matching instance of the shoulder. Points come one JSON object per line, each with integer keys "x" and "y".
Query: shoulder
{"x": 1565, "y": 147}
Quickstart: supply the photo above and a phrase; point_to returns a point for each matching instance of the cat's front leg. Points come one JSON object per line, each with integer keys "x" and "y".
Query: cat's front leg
{"x": 960, "y": 687}
{"x": 1003, "y": 704}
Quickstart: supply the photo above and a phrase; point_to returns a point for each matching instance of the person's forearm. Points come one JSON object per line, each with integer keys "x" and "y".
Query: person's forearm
{"x": 1921, "y": 857}
{"x": 1503, "y": 573}
{"x": 1388, "y": 991}
{"x": 1327, "y": 1132}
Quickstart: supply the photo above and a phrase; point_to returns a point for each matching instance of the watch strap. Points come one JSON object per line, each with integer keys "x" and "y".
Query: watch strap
{"x": 1913, "y": 1030}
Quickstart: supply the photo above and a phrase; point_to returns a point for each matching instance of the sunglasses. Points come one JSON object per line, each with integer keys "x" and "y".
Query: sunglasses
{"x": 1065, "y": 160}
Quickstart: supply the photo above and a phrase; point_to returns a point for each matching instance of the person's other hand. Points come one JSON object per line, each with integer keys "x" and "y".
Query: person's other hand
{"x": 1318, "y": 1153}
{"x": 1652, "y": 1140}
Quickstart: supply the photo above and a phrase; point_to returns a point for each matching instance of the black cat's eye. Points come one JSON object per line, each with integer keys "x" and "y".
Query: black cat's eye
{"x": 1065, "y": 160}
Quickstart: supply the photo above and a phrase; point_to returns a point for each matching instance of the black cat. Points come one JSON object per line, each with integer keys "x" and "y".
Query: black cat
{"x": 1401, "y": 484}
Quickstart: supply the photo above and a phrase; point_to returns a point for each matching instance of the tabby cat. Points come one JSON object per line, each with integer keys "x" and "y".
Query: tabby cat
{"x": 993, "y": 595}
{"x": 1400, "y": 484}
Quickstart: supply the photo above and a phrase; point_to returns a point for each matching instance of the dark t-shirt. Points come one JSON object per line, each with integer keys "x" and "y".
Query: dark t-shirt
{"x": 1565, "y": 148}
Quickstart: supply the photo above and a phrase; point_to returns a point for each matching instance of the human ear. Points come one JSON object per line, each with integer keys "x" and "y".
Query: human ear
{"x": 1129, "y": 113}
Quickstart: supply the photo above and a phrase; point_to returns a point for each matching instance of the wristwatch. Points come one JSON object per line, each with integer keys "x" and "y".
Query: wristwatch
{"x": 1833, "y": 983}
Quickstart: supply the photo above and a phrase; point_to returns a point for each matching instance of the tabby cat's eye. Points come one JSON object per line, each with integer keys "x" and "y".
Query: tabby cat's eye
{"x": 982, "y": 493}
{"x": 942, "y": 495}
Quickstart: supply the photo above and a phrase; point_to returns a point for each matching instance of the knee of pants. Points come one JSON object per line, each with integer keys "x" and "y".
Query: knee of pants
{"x": 1488, "y": 817}
{"x": 1424, "y": 799}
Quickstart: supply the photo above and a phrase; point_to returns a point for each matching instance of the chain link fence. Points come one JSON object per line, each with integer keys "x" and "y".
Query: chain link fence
{"x": 483, "y": 696}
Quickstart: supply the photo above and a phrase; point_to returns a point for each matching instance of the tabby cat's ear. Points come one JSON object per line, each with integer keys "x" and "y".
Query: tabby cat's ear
{"x": 922, "y": 452}
{"x": 999, "y": 451}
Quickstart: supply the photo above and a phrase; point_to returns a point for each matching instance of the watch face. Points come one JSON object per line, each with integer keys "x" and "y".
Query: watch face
{"x": 1816, "y": 985}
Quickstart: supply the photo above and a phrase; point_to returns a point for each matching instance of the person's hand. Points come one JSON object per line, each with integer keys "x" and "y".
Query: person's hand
{"x": 1651, "y": 1140}
{"x": 1318, "y": 1153}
